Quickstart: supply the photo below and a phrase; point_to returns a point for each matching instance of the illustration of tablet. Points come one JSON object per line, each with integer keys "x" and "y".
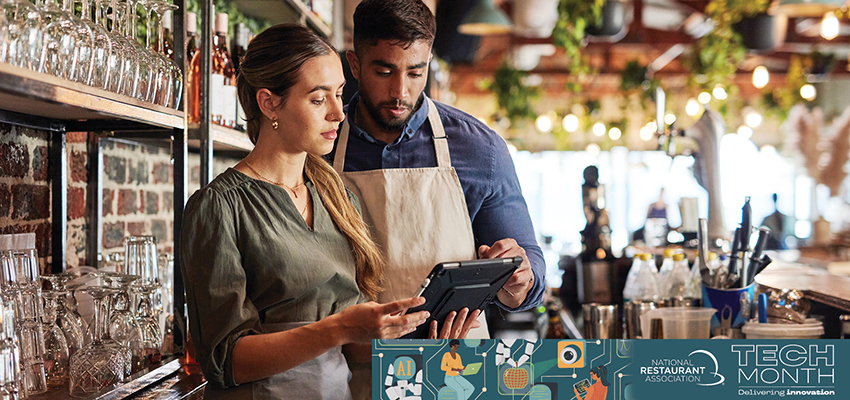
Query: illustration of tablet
{"x": 451, "y": 286}
{"x": 582, "y": 386}
{"x": 472, "y": 369}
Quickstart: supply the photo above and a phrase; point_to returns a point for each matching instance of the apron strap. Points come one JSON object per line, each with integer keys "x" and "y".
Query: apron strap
{"x": 441, "y": 145}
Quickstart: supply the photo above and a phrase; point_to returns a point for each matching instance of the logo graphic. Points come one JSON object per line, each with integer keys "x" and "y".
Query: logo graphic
{"x": 570, "y": 354}
{"x": 721, "y": 378}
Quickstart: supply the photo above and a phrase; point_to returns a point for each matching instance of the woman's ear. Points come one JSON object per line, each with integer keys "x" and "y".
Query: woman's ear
{"x": 268, "y": 103}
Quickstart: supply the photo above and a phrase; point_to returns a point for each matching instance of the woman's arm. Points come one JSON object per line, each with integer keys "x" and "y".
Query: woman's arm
{"x": 260, "y": 356}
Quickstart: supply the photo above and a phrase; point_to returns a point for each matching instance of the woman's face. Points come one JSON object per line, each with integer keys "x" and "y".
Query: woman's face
{"x": 455, "y": 346}
{"x": 594, "y": 376}
{"x": 310, "y": 114}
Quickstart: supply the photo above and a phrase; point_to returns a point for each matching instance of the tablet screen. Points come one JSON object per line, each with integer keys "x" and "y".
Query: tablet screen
{"x": 582, "y": 386}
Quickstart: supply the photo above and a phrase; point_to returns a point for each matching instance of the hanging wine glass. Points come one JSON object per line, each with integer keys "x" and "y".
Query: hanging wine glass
{"x": 127, "y": 48}
{"x": 117, "y": 57}
{"x": 172, "y": 79}
{"x": 25, "y": 35}
{"x": 60, "y": 39}
{"x": 157, "y": 64}
{"x": 101, "y": 363}
{"x": 84, "y": 49}
{"x": 101, "y": 51}
{"x": 146, "y": 83}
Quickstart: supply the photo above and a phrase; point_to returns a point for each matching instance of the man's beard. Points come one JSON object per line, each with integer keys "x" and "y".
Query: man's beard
{"x": 389, "y": 125}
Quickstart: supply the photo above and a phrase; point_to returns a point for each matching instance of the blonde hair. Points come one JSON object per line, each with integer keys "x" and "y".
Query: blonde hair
{"x": 273, "y": 61}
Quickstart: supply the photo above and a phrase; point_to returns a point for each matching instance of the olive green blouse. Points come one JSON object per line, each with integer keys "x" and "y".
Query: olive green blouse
{"x": 248, "y": 258}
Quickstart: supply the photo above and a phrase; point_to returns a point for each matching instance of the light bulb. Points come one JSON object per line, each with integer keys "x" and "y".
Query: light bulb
{"x": 599, "y": 129}
{"x": 646, "y": 133}
{"x": 760, "y": 77}
{"x": 704, "y": 97}
{"x": 570, "y": 123}
{"x": 669, "y": 119}
{"x": 615, "y": 133}
{"x": 692, "y": 107}
{"x": 719, "y": 93}
{"x": 593, "y": 149}
{"x": 829, "y": 26}
{"x": 745, "y": 132}
{"x": 808, "y": 92}
{"x": 543, "y": 124}
{"x": 753, "y": 119}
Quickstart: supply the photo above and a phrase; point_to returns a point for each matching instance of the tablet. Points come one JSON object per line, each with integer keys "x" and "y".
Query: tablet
{"x": 581, "y": 386}
{"x": 452, "y": 286}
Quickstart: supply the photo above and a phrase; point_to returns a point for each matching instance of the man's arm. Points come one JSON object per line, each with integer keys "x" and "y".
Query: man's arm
{"x": 502, "y": 228}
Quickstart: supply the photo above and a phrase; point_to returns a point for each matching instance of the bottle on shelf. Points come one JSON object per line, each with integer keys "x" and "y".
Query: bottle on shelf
{"x": 192, "y": 44}
{"x": 664, "y": 271}
{"x": 193, "y": 87}
{"x": 240, "y": 45}
{"x": 167, "y": 38}
{"x": 644, "y": 286}
{"x": 679, "y": 283}
{"x": 222, "y": 80}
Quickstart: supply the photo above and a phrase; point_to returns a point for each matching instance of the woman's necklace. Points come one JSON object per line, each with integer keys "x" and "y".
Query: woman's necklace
{"x": 292, "y": 189}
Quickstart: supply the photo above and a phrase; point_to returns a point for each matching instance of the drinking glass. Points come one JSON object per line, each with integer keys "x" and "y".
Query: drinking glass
{"x": 67, "y": 319}
{"x": 30, "y": 311}
{"x": 129, "y": 76}
{"x": 56, "y": 357}
{"x": 123, "y": 326}
{"x": 60, "y": 39}
{"x": 10, "y": 373}
{"x": 85, "y": 47}
{"x": 25, "y": 36}
{"x": 101, "y": 363}
{"x": 145, "y": 85}
{"x": 140, "y": 259}
{"x": 102, "y": 49}
{"x": 173, "y": 75}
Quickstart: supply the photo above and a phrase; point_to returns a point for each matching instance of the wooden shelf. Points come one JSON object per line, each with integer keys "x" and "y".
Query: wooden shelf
{"x": 282, "y": 11}
{"x": 32, "y": 93}
{"x": 224, "y": 139}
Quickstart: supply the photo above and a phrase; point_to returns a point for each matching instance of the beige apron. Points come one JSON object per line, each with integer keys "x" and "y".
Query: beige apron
{"x": 324, "y": 377}
{"x": 418, "y": 218}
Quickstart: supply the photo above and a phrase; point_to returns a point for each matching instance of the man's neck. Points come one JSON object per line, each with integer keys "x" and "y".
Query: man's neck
{"x": 365, "y": 122}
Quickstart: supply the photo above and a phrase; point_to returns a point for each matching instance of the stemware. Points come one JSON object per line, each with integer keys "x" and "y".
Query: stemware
{"x": 9, "y": 353}
{"x": 60, "y": 40}
{"x": 123, "y": 326}
{"x": 145, "y": 84}
{"x": 68, "y": 320}
{"x": 25, "y": 36}
{"x": 130, "y": 61}
{"x": 102, "y": 51}
{"x": 101, "y": 363}
{"x": 172, "y": 78}
{"x": 29, "y": 313}
{"x": 56, "y": 357}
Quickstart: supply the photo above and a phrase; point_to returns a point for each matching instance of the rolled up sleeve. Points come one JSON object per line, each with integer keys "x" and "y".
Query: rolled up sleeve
{"x": 504, "y": 214}
{"x": 219, "y": 311}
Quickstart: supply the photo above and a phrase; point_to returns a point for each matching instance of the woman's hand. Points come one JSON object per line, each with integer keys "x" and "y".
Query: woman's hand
{"x": 367, "y": 321}
{"x": 456, "y": 325}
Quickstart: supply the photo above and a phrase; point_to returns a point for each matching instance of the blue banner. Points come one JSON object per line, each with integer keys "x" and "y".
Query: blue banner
{"x": 610, "y": 369}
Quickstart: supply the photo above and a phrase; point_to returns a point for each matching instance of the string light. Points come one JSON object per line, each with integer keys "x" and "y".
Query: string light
{"x": 760, "y": 77}
{"x": 599, "y": 129}
{"x": 615, "y": 133}
{"x": 543, "y": 124}
{"x": 808, "y": 92}
{"x": 570, "y": 123}
{"x": 719, "y": 92}
{"x": 692, "y": 107}
{"x": 704, "y": 97}
{"x": 829, "y": 26}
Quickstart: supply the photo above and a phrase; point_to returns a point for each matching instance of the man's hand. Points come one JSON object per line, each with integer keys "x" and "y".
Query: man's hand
{"x": 515, "y": 290}
{"x": 456, "y": 325}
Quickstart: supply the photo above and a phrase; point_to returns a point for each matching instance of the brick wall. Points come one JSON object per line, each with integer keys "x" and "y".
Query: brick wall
{"x": 137, "y": 191}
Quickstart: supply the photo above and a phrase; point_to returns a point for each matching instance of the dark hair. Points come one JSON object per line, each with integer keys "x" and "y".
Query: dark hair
{"x": 454, "y": 342}
{"x": 401, "y": 21}
{"x": 601, "y": 371}
{"x": 273, "y": 61}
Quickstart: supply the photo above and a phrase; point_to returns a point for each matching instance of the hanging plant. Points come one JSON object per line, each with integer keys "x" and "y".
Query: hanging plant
{"x": 574, "y": 16}
{"x": 513, "y": 95}
{"x": 778, "y": 101}
{"x": 716, "y": 55}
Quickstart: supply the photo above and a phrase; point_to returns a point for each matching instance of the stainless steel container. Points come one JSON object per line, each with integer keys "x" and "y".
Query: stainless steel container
{"x": 601, "y": 321}
{"x": 632, "y": 311}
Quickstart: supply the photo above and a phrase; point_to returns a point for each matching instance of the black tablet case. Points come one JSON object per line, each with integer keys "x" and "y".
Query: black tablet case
{"x": 455, "y": 285}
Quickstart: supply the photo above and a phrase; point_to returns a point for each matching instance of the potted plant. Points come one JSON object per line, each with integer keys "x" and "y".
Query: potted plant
{"x": 574, "y": 17}
{"x": 513, "y": 96}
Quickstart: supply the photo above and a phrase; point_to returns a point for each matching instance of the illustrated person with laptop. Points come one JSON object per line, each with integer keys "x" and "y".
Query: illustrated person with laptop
{"x": 599, "y": 389}
{"x": 453, "y": 366}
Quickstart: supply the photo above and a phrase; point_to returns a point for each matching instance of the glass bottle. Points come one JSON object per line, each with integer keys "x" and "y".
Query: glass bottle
{"x": 664, "y": 271}
{"x": 222, "y": 79}
{"x": 193, "y": 82}
{"x": 191, "y": 35}
{"x": 645, "y": 284}
{"x": 679, "y": 283}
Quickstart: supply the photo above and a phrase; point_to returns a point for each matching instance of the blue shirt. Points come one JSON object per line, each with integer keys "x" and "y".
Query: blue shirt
{"x": 484, "y": 166}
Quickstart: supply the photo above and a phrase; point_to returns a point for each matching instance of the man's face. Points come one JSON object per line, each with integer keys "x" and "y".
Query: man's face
{"x": 391, "y": 79}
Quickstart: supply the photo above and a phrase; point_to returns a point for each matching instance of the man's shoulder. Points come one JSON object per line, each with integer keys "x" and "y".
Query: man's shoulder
{"x": 457, "y": 121}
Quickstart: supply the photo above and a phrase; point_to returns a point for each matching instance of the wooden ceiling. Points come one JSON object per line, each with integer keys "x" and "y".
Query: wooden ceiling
{"x": 645, "y": 45}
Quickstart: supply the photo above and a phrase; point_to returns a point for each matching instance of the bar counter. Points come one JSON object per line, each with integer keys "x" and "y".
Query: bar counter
{"x": 169, "y": 380}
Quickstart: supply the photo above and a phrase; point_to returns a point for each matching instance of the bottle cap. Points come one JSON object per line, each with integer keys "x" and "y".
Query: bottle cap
{"x": 191, "y": 22}
{"x": 678, "y": 257}
{"x": 712, "y": 255}
{"x": 645, "y": 256}
{"x": 221, "y": 23}
{"x": 166, "y": 20}
{"x": 669, "y": 253}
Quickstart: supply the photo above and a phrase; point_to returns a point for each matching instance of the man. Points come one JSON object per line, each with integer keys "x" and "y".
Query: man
{"x": 433, "y": 181}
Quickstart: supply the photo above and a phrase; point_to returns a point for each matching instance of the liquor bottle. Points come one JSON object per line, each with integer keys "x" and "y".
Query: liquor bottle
{"x": 240, "y": 44}
{"x": 595, "y": 262}
{"x": 222, "y": 79}
{"x": 167, "y": 38}
{"x": 193, "y": 83}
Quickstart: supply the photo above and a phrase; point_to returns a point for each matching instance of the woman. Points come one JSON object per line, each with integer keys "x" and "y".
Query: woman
{"x": 453, "y": 367}
{"x": 599, "y": 389}
{"x": 278, "y": 264}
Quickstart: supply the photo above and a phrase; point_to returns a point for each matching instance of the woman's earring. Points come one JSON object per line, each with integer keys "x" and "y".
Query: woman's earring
{"x": 274, "y": 123}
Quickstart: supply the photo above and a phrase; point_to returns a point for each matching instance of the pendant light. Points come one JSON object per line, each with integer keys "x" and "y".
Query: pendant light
{"x": 485, "y": 19}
